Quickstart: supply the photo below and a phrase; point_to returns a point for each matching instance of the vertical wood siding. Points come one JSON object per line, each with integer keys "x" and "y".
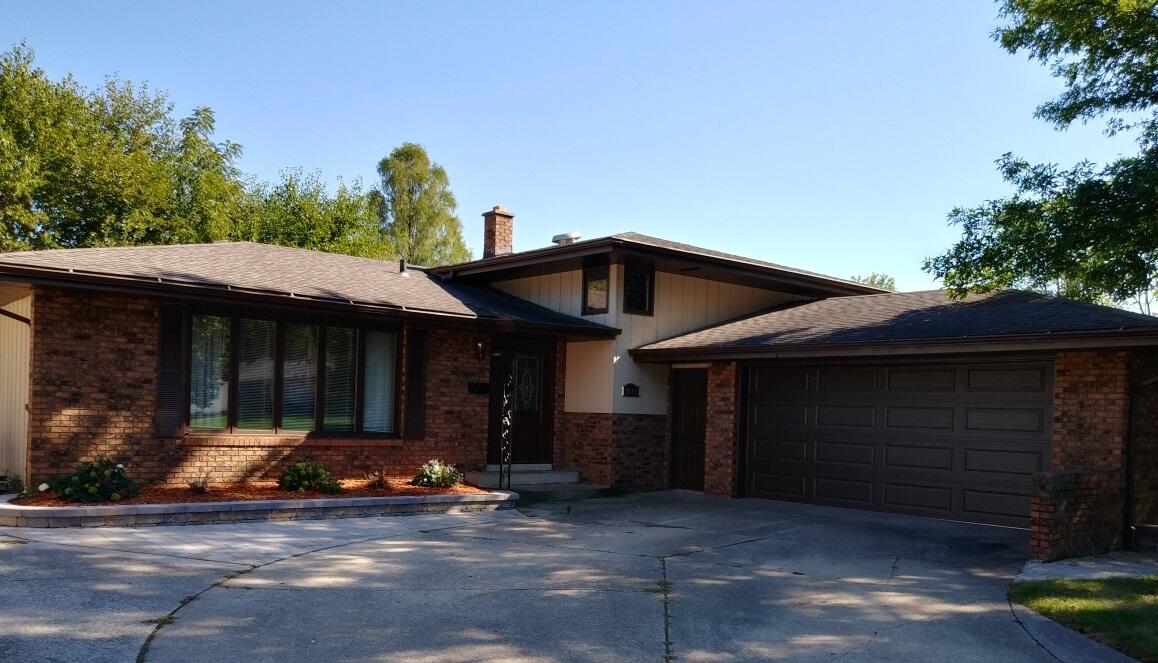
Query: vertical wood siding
{"x": 682, "y": 304}
{"x": 14, "y": 339}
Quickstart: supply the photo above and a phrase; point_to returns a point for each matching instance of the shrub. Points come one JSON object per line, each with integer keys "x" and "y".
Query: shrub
{"x": 102, "y": 480}
{"x": 199, "y": 486}
{"x": 15, "y": 485}
{"x": 308, "y": 475}
{"x": 437, "y": 473}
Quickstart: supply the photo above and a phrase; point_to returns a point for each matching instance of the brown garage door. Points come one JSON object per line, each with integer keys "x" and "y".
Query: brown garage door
{"x": 947, "y": 440}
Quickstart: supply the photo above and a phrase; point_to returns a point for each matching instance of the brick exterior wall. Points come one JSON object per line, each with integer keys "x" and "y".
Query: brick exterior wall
{"x": 1077, "y": 507}
{"x": 1144, "y": 433}
{"x": 626, "y": 451}
{"x": 92, "y": 392}
{"x": 720, "y": 462}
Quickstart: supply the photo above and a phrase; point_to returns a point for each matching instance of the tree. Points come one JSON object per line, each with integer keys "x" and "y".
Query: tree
{"x": 418, "y": 208}
{"x": 299, "y": 211}
{"x": 1086, "y": 232}
{"x": 883, "y": 281}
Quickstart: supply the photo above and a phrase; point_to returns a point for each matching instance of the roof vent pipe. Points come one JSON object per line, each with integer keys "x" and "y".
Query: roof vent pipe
{"x": 402, "y": 267}
{"x": 565, "y": 239}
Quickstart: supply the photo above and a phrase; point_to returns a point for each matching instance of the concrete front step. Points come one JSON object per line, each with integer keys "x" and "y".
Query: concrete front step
{"x": 520, "y": 478}
{"x": 562, "y": 492}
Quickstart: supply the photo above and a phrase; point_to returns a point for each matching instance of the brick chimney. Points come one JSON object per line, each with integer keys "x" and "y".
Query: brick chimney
{"x": 498, "y": 232}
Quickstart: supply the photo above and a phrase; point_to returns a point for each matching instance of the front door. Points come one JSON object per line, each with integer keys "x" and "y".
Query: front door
{"x": 530, "y": 364}
{"x": 689, "y": 417}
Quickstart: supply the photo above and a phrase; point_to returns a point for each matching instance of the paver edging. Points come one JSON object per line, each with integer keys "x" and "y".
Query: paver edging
{"x": 18, "y": 515}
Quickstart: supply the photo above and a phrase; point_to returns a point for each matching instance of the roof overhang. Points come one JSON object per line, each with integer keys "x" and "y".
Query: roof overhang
{"x": 172, "y": 290}
{"x": 614, "y": 250}
{"x": 978, "y": 345}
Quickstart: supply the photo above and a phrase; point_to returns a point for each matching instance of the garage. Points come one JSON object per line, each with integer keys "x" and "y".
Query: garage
{"x": 957, "y": 440}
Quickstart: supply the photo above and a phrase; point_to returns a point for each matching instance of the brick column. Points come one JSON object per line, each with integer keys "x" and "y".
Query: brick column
{"x": 1077, "y": 506}
{"x": 720, "y": 436}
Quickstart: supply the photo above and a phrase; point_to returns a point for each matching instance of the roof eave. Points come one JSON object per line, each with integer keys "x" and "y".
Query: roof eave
{"x": 217, "y": 293}
{"x": 973, "y": 345}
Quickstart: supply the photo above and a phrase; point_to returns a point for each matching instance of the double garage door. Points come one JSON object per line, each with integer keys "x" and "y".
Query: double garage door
{"x": 947, "y": 440}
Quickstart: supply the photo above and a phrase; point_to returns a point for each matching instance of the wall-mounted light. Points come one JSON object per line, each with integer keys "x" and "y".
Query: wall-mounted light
{"x": 480, "y": 347}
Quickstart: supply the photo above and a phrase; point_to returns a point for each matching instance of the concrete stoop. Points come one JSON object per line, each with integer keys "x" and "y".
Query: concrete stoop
{"x": 540, "y": 482}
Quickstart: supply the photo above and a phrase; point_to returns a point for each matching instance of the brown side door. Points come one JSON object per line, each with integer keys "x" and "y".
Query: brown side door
{"x": 689, "y": 419}
{"x": 949, "y": 440}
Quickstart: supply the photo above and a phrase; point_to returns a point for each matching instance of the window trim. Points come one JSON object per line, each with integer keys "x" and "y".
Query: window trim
{"x": 649, "y": 272}
{"x": 590, "y": 274}
{"x": 323, "y": 323}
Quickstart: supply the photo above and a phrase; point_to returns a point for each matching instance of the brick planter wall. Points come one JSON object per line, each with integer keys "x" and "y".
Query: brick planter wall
{"x": 720, "y": 439}
{"x": 92, "y": 392}
{"x": 628, "y": 451}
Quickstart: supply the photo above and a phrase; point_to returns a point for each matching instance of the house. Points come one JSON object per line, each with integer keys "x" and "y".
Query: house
{"x": 637, "y": 362}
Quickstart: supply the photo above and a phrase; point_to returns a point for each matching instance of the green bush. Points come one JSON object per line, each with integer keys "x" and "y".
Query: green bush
{"x": 102, "y": 480}
{"x": 15, "y": 485}
{"x": 308, "y": 475}
{"x": 437, "y": 473}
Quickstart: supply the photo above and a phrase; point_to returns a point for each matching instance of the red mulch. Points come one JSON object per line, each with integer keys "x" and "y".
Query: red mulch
{"x": 257, "y": 490}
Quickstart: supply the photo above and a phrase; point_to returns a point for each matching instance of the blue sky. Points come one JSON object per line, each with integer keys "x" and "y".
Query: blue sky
{"x": 829, "y": 136}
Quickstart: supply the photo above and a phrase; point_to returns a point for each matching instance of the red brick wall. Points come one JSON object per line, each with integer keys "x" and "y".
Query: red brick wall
{"x": 720, "y": 438}
{"x": 1077, "y": 508}
{"x": 583, "y": 442}
{"x": 92, "y": 393}
{"x": 639, "y": 443}
{"x": 1144, "y": 430}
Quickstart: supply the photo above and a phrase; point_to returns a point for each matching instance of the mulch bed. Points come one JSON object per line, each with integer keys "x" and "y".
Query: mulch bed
{"x": 257, "y": 490}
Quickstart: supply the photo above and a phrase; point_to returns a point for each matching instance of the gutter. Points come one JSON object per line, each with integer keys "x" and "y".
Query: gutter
{"x": 198, "y": 291}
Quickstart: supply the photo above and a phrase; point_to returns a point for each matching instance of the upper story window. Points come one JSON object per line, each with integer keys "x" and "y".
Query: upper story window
{"x": 638, "y": 290}
{"x": 261, "y": 375}
{"x": 596, "y": 290}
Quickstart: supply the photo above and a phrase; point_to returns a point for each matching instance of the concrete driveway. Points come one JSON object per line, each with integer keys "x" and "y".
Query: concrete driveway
{"x": 659, "y": 577}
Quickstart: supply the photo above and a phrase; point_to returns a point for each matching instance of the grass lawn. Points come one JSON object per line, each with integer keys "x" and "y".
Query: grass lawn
{"x": 1121, "y": 612}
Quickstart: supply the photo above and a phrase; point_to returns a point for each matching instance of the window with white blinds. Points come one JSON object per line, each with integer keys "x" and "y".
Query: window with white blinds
{"x": 249, "y": 374}
{"x": 378, "y": 394}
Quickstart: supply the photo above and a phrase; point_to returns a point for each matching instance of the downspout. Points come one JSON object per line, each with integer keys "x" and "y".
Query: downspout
{"x": 1128, "y": 508}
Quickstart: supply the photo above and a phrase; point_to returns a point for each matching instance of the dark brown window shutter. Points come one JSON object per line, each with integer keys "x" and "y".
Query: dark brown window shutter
{"x": 414, "y": 425}
{"x": 171, "y": 355}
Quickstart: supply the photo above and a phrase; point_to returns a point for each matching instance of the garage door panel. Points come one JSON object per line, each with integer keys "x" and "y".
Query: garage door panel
{"x": 843, "y": 415}
{"x": 770, "y": 415}
{"x": 848, "y": 453}
{"x": 928, "y": 417}
{"x": 1004, "y": 461}
{"x": 844, "y": 490}
{"x": 846, "y": 379}
{"x": 953, "y": 440}
{"x": 1005, "y": 419}
{"x": 921, "y": 379}
{"x": 1000, "y": 380}
{"x": 782, "y": 485}
{"x": 911, "y": 457}
{"x": 923, "y": 496}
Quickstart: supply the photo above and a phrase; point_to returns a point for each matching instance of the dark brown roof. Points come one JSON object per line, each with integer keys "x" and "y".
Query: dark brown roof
{"x": 286, "y": 273}
{"x": 633, "y": 240}
{"x": 901, "y": 318}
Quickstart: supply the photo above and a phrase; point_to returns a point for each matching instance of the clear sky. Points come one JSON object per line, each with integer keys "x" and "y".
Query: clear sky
{"x": 829, "y": 136}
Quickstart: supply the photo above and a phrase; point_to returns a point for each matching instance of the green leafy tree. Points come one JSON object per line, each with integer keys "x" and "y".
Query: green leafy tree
{"x": 876, "y": 280}
{"x": 1086, "y": 232}
{"x": 299, "y": 211}
{"x": 418, "y": 208}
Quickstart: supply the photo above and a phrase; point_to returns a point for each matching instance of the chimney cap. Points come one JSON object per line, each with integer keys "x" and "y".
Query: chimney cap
{"x": 498, "y": 210}
{"x": 566, "y": 238}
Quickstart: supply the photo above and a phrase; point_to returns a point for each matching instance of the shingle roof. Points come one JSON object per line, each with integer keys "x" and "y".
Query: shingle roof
{"x": 679, "y": 249}
{"x": 907, "y": 317}
{"x": 283, "y": 271}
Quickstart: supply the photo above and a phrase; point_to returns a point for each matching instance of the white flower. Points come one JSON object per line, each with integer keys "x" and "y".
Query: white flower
{"x": 120, "y": 466}
{"x": 42, "y": 487}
